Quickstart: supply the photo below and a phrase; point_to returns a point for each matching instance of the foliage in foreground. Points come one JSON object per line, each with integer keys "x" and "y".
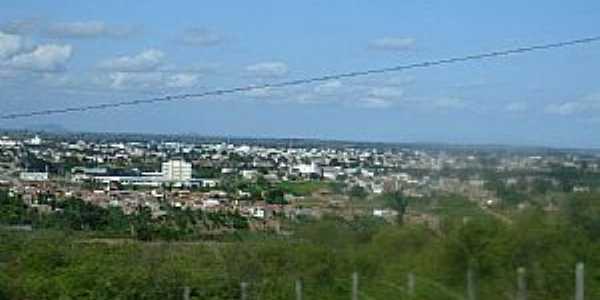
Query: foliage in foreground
{"x": 323, "y": 254}
{"x": 58, "y": 263}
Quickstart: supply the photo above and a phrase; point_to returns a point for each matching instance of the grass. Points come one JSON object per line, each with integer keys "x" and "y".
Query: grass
{"x": 303, "y": 188}
{"x": 455, "y": 205}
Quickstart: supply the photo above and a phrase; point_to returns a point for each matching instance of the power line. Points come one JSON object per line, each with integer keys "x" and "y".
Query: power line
{"x": 235, "y": 90}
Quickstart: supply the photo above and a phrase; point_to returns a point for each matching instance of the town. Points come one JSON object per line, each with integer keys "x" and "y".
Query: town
{"x": 265, "y": 182}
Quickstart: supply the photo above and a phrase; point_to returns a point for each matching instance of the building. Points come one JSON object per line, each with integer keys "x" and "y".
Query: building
{"x": 34, "y": 176}
{"x": 35, "y": 141}
{"x": 306, "y": 170}
{"x": 6, "y": 142}
{"x": 249, "y": 174}
{"x": 177, "y": 170}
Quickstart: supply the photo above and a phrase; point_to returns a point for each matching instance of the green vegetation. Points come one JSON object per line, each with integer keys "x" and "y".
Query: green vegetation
{"x": 275, "y": 196}
{"x": 75, "y": 262}
{"x": 357, "y": 192}
{"x": 206, "y": 172}
{"x": 12, "y": 210}
{"x": 79, "y": 216}
{"x": 453, "y": 205}
{"x": 397, "y": 202}
{"x": 303, "y": 188}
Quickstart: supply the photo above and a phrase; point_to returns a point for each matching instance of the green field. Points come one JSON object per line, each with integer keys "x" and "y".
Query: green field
{"x": 303, "y": 188}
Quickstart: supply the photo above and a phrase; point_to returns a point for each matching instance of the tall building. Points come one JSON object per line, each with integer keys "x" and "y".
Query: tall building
{"x": 177, "y": 170}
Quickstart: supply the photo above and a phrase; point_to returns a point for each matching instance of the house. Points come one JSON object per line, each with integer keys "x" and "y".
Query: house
{"x": 261, "y": 212}
{"x": 210, "y": 203}
{"x": 306, "y": 170}
{"x": 257, "y": 212}
{"x": 34, "y": 176}
{"x": 384, "y": 213}
{"x": 332, "y": 173}
{"x": 209, "y": 183}
{"x": 249, "y": 174}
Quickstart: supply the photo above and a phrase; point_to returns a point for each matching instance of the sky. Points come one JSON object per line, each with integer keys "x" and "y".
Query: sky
{"x": 62, "y": 53}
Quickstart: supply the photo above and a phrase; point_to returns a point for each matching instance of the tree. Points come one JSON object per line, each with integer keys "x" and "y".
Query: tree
{"x": 275, "y": 196}
{"x": 397, "y": 202}
{"x": 358, "y": 192}
{"x": 143, "y": 224}
{"x": 12, "y": 209}
{"x": 583, "y": 211}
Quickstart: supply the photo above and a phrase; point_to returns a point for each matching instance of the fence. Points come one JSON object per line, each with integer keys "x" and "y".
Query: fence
{"x": 408, "y": 290}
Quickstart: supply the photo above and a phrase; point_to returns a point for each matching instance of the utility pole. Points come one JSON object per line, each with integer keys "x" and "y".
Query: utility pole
{"x": 521, "y": 284}
{"x": 579, "y": 281}
{"x": 411, "y": 285}
{"x": 471, "y": 294}
{"x": 298, "y": 289}
{"x": 243, "y": 294}
{"x": 355, "y": 286}
{"x": 186, "y": 293}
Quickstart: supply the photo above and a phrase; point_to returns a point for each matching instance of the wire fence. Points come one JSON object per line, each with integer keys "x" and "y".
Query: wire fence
{"x": 351, "y": 286}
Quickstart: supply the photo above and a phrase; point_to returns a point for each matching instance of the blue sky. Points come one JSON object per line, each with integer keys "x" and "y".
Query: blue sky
{"x": 70, "y": 53}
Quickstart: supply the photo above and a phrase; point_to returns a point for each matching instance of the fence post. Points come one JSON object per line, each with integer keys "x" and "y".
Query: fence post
{"x": 471, "y": 293}
{"x": 186, "y": 293}
{"x": 243, "y": 294}
{"x": 355, "y": 286}
{"x": 521, "y": 284}
{"x": 579, "y": 281}
{"x": 411, "y": 285}
{"x": 298, "y": 289}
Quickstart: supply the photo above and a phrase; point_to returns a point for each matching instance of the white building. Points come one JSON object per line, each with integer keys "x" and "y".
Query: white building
{"x": 209, "y": 183}
{"x": 209, "y": 203}
{"x": 6, "y": 142}
{"x": 34, "y": 176}
{"x": 332, "y": 173}
{"x": 306, "y": 169}
{"x": 384, "y": 213}
{"x": 249, "y": 174}
{"x": 177, "y": 170}
{"x": 35, "y": 141}
{"x": 257, "y": 212}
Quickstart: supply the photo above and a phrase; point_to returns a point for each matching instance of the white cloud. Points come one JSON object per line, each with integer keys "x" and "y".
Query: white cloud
{"x": 262, "y": 92}
{"x": 393, "y": 43}
{"x": 183, "y": 80}
{"x": 446, "y": 103}
{"x": 18, "y": 53}
{"x": 368, "y": 96}
{"x": 10, "y": 45}
{"x": 20, "y": 26}
{"x": 387, "y": 93}
{"x": 126, "y": 80}
{"x": 373, "y": 102}
{"x": 587, "y": 104}
{"x": 87, "y": 29}
{"x": 516, "y": 107}
{"x": 78, "y": 29}
{"x": 43, "y": 58}
{"x": 593, "y": 100}
{"x": 401, "y": 80}
{"x": 268, "y": 69}
{"x": 565, "y": 108}
{"x": 201, "y": 37}
{"x": 148, "y": 80}
{"x": 147, "y": 60}
{"x": 328, "y": 87}
{"x": 304, "y": 98}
